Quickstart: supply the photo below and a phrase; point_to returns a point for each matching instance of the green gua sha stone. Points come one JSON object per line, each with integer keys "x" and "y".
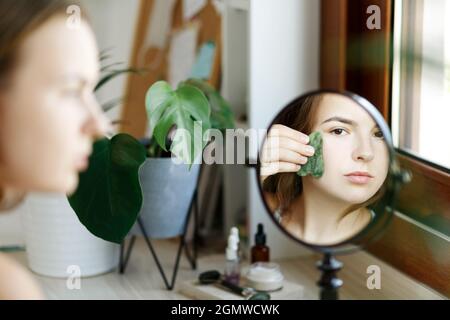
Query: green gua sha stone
{"x": 314, "y": 166}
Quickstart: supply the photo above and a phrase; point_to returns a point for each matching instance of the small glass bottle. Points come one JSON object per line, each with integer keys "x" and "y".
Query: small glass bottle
{"x": 260, "y": 252}
{"x": 232, "y": 271}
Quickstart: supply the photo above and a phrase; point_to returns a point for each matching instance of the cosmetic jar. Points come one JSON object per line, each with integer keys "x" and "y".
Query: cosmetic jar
{"x": 264, "y": 276}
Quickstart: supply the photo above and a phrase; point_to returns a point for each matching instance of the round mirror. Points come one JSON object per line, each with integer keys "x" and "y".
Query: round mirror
{"x": 327, "y": 172}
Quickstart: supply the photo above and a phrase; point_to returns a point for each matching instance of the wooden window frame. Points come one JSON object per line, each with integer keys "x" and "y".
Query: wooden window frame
{"x": 410, "y": 243}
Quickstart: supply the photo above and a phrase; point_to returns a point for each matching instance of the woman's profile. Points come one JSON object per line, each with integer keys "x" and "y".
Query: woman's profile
{"x": 49, "y": 115}
{"x": 331, "y": 208}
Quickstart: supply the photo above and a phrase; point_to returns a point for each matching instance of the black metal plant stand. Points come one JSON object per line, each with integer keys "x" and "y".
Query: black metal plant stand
{"x": 329, "y": 283}
{"x": 192, "y": 257}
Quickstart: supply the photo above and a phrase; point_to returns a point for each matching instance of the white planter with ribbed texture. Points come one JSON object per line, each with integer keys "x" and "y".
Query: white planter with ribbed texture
{"x": 56, "y": 240}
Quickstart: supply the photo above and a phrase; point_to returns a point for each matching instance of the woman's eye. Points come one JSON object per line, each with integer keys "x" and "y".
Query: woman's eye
{"x": 379, "y": 134}
{"x": 72, "y": 93}
{"x": 338, "y": 131}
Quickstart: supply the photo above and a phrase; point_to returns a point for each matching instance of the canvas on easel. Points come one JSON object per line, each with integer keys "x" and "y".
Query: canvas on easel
{"x": 151, "y": 53}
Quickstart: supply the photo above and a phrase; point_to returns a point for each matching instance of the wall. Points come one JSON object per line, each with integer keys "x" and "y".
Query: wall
{"x": 114, "y": 23}
{"x": 284, "y": 63}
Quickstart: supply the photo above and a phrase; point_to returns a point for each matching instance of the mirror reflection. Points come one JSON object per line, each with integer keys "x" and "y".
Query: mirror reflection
{"x": 323, "y": 163}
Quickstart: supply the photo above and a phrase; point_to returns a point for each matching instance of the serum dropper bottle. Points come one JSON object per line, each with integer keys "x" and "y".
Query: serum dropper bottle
{"x": 260, "y": 252}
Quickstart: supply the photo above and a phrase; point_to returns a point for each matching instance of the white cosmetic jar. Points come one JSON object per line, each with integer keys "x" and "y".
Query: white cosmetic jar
{"x": 264, "y": 276}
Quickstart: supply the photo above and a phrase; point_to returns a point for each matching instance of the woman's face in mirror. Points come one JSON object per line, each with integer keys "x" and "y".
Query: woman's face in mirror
{"x": 48, "y": 112}
{"x": 333, "y": 207}
{"x": 354, "y": 151}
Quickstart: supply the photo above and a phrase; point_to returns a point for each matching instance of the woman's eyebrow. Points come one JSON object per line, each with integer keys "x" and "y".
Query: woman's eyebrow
{"x": 376, "y": 127}
{"x": 72, "y": 78}
{"x": 343, "y": 120}
{"x": 78, "y": 79}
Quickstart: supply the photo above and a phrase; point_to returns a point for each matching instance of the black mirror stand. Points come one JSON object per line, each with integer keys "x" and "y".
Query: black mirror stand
{"x": 329, "y": 283}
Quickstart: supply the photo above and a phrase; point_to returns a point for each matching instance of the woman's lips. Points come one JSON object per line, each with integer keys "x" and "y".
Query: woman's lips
{"x": 82, "y": 163}
{"x": 359, "y": 177}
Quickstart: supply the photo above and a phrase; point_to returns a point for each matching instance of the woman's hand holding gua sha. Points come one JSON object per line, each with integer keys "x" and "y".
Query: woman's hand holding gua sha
{"x": 284, "y": 150}
{"x": 315, "y": 165}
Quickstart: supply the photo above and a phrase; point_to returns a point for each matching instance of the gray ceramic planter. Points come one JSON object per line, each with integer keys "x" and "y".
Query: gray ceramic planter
{"x": 167, "y": 190}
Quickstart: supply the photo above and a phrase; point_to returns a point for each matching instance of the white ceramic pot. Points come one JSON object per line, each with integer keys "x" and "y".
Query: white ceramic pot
{"x": 56, "y": 240}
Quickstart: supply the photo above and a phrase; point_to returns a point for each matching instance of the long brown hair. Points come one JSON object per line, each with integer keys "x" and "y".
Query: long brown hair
{"x": 19, "y": 18}
{"x": 299, "y": 115}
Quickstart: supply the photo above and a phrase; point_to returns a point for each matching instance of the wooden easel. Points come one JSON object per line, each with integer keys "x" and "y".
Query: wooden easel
{"x": 134, "y": 118}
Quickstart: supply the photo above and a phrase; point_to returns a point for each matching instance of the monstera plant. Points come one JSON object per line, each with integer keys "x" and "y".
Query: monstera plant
{"x": 109, "y": 196}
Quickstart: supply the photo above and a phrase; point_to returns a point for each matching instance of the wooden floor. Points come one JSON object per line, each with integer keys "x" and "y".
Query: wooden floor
{"x": 143, "y": 281}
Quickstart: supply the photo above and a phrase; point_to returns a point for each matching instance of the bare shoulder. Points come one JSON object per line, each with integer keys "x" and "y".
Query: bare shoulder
{"x": 16, "y": 282}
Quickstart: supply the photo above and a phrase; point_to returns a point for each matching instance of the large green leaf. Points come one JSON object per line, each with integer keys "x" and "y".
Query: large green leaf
{"x": 221, "y": 115}
{"x": 109, "y": 196}
{"x": 185, "y": 108}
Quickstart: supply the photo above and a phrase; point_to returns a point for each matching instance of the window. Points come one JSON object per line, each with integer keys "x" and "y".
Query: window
{"x": 421, "y": 79}
{"x": 420, "y": 108}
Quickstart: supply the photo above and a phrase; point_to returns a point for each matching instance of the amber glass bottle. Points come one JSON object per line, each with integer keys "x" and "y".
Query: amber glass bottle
{"x": 260, "y": 252}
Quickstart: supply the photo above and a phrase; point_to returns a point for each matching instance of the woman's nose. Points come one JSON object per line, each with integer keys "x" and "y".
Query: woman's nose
{"x": 363, "y": 150}
{"x": 97, "y": 124}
